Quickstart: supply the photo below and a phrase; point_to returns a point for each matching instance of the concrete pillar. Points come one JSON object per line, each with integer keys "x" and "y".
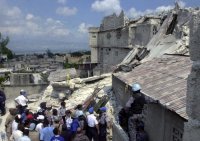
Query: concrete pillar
{"x": 192, "y": 127}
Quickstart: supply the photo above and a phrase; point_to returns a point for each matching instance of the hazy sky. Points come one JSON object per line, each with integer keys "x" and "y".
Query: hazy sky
{"x": 62, "y": 24}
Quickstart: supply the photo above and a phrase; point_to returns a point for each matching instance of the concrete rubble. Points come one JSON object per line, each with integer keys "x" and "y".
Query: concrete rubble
{"x": 62, "y": 75}
{"x": 171, "y": 38}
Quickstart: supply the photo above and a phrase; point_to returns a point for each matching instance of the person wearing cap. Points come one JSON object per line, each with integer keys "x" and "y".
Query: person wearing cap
{"x": 135, "y": 89}
{"x": 93, "y": 127}
{"x": 136, "y": 101}
{"x": 135, "y": 111}
{"x": 22, "y": 101}
{"x": 39, "y": 126}
{"x": 74, "y": 126}
{"x": 104, "y": 123}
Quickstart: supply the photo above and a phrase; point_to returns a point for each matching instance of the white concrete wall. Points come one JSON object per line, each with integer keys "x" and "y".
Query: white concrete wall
{"x": 93, "y": 38}
{"x": 110, "y": 57}
{"x": 160, "y": 123}
{"x": 114, "y": 41}
{"x": 13, "y": 91}
{"x": 94, "y": 55}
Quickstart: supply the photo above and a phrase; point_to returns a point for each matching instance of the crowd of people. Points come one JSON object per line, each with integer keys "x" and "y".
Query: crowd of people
{"x": 55, "y": 124}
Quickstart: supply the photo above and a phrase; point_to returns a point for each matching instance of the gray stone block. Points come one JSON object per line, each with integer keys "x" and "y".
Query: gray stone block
{"x": 195, "y": 37}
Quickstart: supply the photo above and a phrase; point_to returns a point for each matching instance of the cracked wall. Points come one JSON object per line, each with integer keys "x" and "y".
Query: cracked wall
{"x": 192, "y": 127}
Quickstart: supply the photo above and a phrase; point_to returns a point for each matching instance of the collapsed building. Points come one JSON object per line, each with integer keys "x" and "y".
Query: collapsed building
{"x": 117, "y": 36}
{"x": 162, "y": 68}
{"x": 159, "y": 61}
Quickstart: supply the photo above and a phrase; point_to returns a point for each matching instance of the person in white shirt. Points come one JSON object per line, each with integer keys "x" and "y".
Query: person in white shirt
{"x": 79, "y": 111}
{"x": 16, "y": 122}
{"x": 17, "y": 133}
{"x": 21, "y": 101}
{"x": 39, "y": 126}
{"x": 93, "y": 128}
{"x": 68, "y": 119}
{"x": 62, "y": 110}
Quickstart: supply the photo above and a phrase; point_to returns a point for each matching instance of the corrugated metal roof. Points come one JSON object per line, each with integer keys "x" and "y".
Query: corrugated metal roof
{"x": 163, "y": 79}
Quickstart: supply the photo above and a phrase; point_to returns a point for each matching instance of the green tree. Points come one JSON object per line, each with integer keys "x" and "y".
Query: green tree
{"x": 3, "y": 47}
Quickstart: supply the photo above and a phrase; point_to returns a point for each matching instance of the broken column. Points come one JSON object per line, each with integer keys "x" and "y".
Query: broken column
{"x": 192, "y": 127}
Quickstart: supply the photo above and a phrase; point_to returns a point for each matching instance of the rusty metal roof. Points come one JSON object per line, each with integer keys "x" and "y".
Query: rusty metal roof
{"x": 163, "y": 79}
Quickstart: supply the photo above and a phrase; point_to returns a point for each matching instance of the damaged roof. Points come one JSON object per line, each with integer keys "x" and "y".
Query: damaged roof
{"x": 163, "y": 79}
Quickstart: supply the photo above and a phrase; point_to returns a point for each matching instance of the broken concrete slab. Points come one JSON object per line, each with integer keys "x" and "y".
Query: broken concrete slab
{"x": 62, "y": 74}
{"x": 93, "y": 79}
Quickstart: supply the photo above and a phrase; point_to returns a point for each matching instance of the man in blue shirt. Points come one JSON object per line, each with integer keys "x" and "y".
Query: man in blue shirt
{"x": 47, "y": 132}
{"x": 57, "y": 137}
{"x": 74, "y": 126}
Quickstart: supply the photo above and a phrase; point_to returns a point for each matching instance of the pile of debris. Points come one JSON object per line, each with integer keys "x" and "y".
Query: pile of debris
{"x": 171, "y": 38}
{"x": 91, "y": 91}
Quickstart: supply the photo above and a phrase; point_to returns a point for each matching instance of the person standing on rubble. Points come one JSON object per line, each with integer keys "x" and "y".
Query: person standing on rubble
{"x": 62, "y": 111}
{"x": 104, "y": 123}
{"x": 2, "y": 103}
{"x": 22, "y": 101}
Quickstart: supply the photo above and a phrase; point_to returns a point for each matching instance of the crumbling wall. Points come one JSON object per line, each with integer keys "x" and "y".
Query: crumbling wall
{"x": 111, "y": 57}
{"x": 113, "y": 38}
{"x": 113, "y": 21}
{"x": 192, "y": 127}
{"x": 142, "y": 34}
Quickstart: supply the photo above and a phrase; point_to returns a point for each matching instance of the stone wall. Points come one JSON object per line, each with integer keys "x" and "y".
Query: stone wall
{"x": 192, "y": 127}
{"x": 94, "y": 55}
{"x": 118, "y": 133}
{"x": 143, "y": 34}
{"x": 13, "y": 91}
{"x": 110, "y": 57}
{"x": 162, "y": 124}
{"x": 114, "y": 38}
{"x": 21, "y": 78}
{"x": 121, "y": 90}
{"x": 113, "y": 21}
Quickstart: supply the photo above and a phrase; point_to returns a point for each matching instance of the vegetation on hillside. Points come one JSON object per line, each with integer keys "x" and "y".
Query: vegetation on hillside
{"x": 3, "y": 47}
{"x": 80, "y": 53}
